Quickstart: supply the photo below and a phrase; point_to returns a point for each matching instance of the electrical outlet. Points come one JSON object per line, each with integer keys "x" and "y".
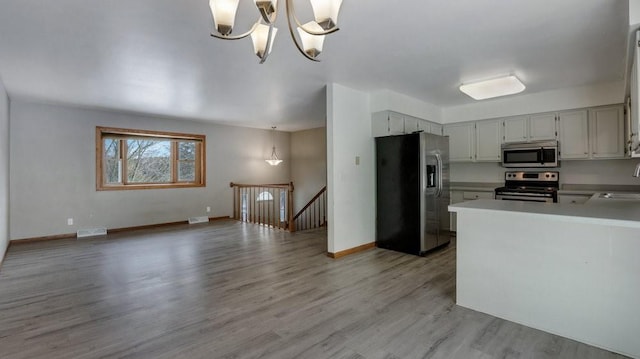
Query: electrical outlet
{"x": 208, "y": 209}
{"x": 69, "y": 221}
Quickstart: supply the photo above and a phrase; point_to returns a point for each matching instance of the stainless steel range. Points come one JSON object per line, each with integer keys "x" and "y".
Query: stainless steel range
{"x": 529, "y": 186}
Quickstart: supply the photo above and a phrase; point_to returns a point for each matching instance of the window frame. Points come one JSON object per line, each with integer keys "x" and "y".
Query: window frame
{"x": 174, "y": 137}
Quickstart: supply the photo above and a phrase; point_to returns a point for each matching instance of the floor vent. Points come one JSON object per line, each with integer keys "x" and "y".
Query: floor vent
{"x": 91, "y": 232}
{"x": 203, "y": 219}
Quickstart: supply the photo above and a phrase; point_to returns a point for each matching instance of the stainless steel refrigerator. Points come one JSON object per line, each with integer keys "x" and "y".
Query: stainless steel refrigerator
{"x": 412, "y": 192}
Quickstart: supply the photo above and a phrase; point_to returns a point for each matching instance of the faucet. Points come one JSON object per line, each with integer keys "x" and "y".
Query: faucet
{"x": 636, "y": 173}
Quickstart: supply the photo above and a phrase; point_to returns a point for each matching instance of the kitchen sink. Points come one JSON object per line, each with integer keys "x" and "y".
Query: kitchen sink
{"x": 613, "y": 195}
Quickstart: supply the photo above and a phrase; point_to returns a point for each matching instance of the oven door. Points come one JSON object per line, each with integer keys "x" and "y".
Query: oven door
{"x": 528, "y": 197}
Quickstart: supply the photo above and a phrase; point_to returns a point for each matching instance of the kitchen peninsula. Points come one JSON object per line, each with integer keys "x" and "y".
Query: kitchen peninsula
{"x": 567, "y": 269}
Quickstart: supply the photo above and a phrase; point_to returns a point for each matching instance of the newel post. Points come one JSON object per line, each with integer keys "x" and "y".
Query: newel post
{"x": 292, "y": 226}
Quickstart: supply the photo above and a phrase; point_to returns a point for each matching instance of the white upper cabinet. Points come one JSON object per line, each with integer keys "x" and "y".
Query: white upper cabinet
{"x": 596, "y": 133}
{"x": 574, "y": 134}
{"x": 461, "y": 141}
{"x": 436, "y": 129}
{"x": 424, "y": 126}
{"x": 542, "y": 127}
{"x": 516, "y": 129}
{"x": 388, "y": 123}
{"x": 530, "y": 128}
{"x": 606, "y": 129}
{"x": 634, "y": 103}
{"x": 488, "y": 140}
{"x": 396, "y": 124}
{"x": 410, "y": 124}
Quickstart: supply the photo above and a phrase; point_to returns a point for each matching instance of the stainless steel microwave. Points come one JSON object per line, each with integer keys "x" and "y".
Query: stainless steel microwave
{"x": 530, "y": 154}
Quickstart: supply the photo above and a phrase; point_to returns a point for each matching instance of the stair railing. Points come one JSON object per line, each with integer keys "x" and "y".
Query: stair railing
{"x": 313, "y": 214}
{"x": 266, "y": 204}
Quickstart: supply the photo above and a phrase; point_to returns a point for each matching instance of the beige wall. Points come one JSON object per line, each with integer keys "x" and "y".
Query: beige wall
{"x": 52, "y": 171}
{"x": 4, "y": 171}
{"x": 308, "y": 164}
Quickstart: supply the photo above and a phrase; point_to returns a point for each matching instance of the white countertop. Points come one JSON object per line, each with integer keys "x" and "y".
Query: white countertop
{"x": 625, "y": 213}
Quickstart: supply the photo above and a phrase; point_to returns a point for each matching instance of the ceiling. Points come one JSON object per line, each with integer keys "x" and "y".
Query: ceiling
{"x": 156, "y": 56}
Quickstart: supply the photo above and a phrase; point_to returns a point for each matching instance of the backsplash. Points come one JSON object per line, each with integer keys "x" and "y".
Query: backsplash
{"x": 618, "y": 172}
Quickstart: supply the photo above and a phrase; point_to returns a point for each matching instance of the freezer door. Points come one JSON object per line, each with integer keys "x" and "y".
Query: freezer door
{"x": 430, "y": 187}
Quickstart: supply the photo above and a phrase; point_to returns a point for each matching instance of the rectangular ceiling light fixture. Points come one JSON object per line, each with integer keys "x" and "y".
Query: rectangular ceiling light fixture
{"x": 502, "y": 86}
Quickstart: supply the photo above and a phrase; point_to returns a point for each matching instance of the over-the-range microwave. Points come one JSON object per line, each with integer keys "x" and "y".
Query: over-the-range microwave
{"x": 530, "y": 154}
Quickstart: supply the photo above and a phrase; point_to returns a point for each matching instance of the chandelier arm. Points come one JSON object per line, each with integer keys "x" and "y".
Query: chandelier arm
{"x": 267, "y": 51}
{"x": 295, "y": 41}
{"x": 268, "y": 19}
{"x": 293, "y": 36}
{"x": 237, "y": 37}
{"x": 292, "y": 12}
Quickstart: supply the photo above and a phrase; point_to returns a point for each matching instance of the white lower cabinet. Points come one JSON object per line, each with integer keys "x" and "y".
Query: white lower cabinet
{"x": 573, "y": 198}
{"x": 463, "y": 196}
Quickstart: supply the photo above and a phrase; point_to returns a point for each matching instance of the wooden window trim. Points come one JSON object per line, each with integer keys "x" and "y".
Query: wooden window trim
{"x": 200, "y": 160}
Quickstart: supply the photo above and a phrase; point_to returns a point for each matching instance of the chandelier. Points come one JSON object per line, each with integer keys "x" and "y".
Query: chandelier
{"x": 263, "y": 32}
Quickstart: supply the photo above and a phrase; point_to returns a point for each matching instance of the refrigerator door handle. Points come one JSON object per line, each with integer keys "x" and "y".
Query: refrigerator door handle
{"x": 439, "y": 174}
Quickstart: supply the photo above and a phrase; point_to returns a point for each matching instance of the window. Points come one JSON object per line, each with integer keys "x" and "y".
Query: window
{"x": 264, "y": 196}
{"x": 136, "y": 159}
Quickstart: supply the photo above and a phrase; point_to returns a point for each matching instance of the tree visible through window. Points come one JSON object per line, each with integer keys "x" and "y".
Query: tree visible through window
{"x": 145, "y": 159}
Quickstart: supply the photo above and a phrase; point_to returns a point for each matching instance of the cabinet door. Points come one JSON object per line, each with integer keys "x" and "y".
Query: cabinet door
{"x": 573, "y": 199}
{"x": 436, "y": 129}
{"x": 396, "y": 124}
{"x": 607, "y": 132}
{"x": 634, "y": 98}
{"x": 515, "y": 129}
{"x": 379, "y": 124}
{"x": 456, "y": 197}
{"x": 574, "y": 134}
{"x": 542, "y": 127}
{"x": 410, "y": 124}
{"x": 488, "y": 140}
{"x": 461, "y": 141}
{"x": 424, "y": 126}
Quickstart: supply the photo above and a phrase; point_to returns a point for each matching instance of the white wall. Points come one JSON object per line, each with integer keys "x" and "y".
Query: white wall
{"x": 383, "y": 100}
{"x": 308, "y": 164}
{"x": 4, "y": 170}
{"x": 615, "y": 172}
{"x": 555, "y": 100}
{"x": 52, "y": 171}
{"x": 351, "y": 187}
{"x": 634, "y": 13}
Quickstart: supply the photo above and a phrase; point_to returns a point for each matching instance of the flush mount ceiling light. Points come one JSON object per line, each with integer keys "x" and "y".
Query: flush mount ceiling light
{"x": 273, "y": 160}
{"x": 502, "y": 86}
{"x": 263, "y": 32}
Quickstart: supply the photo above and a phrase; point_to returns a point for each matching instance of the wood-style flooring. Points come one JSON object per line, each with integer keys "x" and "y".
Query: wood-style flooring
{"x": 235, "y": 290}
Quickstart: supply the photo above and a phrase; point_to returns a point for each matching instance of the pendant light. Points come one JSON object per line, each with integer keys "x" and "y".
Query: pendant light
{"x": 273, "y": 160}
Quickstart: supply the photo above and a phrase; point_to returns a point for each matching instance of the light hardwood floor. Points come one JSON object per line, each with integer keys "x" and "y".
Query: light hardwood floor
{"x": 233, "y": 290}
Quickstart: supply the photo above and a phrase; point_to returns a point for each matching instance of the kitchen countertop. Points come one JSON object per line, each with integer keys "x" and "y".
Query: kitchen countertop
{"x": 624, "y": 213}
{"x": 474, "y": 186}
